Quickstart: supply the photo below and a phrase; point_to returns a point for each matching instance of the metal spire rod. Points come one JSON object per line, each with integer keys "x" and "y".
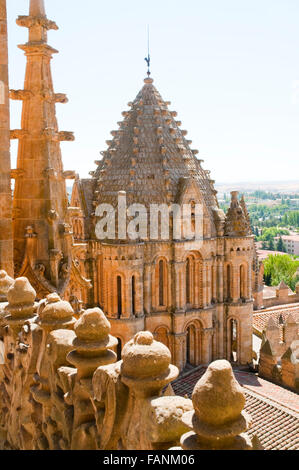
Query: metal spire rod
{"x": 148, "y": 58}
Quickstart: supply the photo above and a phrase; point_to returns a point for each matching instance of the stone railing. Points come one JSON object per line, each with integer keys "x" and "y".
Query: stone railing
{"x": 61, "y": 386}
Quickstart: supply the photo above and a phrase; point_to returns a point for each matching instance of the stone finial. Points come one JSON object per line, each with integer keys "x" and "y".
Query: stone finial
{"x": 283, "y": 286}
{"x": 146, "y": 364}
{"x": 21, "y": 297}
{"x": 282, "y": 290}
{"x": 290, "y": 330}
{"x": 290, "y": 321}
{"x": 272, "y": 331}
{"x": 5, "y": 283}
{"x": 218, "y": 420}
{"x": 245, "y": 210}
{"x": 236, "y": 224}
{"x": 148, "y": 81}
{"x": 292, "y": 353}
{"x": 266, "y": 349}
{"x": 92, "y": 343}
{"x": 55, "y": 313}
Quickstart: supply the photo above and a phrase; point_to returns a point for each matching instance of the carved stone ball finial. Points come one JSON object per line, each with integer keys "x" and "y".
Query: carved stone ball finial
{"x": 146, "y": 363}
{"x": 56, "y": 313}
{"x": 21, "y": 298}
{"x": 218, "y": 419}
{"x": 92, "y": 343}
{"x": 92, "y": 326}
{"x": 5, "y": 283}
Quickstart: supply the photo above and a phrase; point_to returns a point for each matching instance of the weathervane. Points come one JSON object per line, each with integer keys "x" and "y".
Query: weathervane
{"x": 148, "y": 58}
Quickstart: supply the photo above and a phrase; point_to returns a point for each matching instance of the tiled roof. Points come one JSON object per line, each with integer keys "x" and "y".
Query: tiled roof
{"x": 261, "y": 318}
{"x": 149, "y": 155}
{"x": 274, "y": 410}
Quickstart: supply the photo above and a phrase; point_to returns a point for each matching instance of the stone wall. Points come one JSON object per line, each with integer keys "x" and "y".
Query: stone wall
{"x": 279, "y": 356}
{"x": 61, "y": 386}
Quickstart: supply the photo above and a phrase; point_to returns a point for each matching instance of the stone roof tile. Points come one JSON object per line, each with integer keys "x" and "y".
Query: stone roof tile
{"x": 148, "y": 156}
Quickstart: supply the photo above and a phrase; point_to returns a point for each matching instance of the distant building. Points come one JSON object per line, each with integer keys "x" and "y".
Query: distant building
{"x": 292, "y": 243}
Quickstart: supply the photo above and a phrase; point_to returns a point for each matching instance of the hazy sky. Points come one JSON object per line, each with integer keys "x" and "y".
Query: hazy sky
{"x": 229, "y": 67}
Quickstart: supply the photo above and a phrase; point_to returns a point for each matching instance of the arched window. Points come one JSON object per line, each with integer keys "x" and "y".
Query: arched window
{"x": 133, "y": 295}
{"x": 191, "y": 345}
{"x": 161, "y": 283}
{"x": 119, "y": 296}
{"x": 188, "y": 286}
{"x": 228, "y": 282}
{"x": 233, "y": 340}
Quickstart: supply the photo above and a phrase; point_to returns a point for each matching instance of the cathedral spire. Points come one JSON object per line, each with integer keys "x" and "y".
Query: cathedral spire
{"x": 37, "y": 8}
{"x": 40, "y": 206}
{"x": 6, "y": 242}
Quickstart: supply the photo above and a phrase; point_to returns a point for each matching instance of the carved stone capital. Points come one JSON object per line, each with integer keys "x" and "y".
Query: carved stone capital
{"x": 17, "y": 173}
{"x": 18, "y": 134}
{"x": 33, "y": 21}
{"x": 66, "y": 136}
{"x": 69, "y": 175}
{"x": 60, "y": 98}
{"x": 20, "y": 95}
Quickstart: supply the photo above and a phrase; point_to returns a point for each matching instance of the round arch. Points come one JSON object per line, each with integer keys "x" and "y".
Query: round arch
{"x": 193, "y": 344}
{"x": 233, "y": 339}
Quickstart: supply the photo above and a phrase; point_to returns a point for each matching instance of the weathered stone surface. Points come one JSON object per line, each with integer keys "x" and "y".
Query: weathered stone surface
{"x": 218, "y": 421}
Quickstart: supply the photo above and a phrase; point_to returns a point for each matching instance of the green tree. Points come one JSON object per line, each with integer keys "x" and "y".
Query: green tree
{"x": 281, "y": 246}
{"x": 271, "y": 245}
{"x": 281, "y": 268}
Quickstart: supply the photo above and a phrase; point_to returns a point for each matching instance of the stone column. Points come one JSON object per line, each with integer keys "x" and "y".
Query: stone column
{"x": 145, "y": 370}
{"x": 249, "y": 282}
{"x": 209, "y": 283}
{"x": 179, "y": 358}
{"x": 139, "y": 296}
{"x": 170, "y": 300}
{"x": 21, "y": 310}
{"x": 204, "y": 284}
{"x": 53, "y": 314}
{"x": 93, "y": 348}
{"x": 206, "y": 345}
{"x": 6, "y": 238}
{"x": 214, "y": 295}
{"x": 147, "y": 288}
{"x": 236, "y": 283}
{"x": 196, "y": 284}
{"x": 178, "y": 287}
{"x": 220, "y": 278}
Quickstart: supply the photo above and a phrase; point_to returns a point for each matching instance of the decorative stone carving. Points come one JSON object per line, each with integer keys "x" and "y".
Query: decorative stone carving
{"x": 92, "y": 344}
{"x": 218, "y": 421}
{"x": 146, "y": 370}
{"x": 236, "y": 224}
{"x": 5, "y": 283}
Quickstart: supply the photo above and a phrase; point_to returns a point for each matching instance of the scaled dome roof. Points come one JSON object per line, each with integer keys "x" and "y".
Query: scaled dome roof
{"x": 149, "y": 156}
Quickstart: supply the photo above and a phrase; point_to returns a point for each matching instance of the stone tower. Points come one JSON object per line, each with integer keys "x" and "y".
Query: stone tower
{"x": 194, "y": 297}
{"x": 6, "y": 242}
{"x": 42, "y": 237}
